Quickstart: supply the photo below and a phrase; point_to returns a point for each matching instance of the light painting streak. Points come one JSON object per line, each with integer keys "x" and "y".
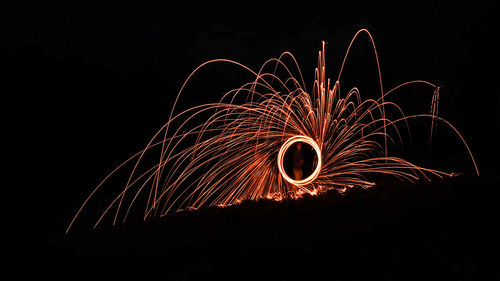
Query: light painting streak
{"x": 237, "y": 153}
{"x": 281, "y": 156}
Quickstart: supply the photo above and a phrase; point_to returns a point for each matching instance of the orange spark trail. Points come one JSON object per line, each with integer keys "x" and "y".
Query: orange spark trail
{"x": 238, "y": 152}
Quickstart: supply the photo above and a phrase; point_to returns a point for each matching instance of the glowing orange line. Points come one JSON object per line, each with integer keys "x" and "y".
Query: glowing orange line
{"x": 281, "y": 156}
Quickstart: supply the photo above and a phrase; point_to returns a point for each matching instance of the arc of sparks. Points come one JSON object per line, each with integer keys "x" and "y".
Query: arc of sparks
{"x": 237, "y": 153}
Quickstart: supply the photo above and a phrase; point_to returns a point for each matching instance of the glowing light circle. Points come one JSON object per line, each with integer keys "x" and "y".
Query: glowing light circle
{"x": 281, "y": 156}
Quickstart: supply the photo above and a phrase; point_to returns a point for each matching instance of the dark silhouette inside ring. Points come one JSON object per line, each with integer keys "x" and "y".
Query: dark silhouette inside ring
{"x": 300, "y": 160}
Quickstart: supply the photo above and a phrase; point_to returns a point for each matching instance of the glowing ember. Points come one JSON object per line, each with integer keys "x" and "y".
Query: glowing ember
{"x": 237, "y": 153}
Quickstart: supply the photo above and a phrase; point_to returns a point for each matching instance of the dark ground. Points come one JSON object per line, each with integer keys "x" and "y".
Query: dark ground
{"x": 446, "y": 229}
{"x": 91, "y": 82}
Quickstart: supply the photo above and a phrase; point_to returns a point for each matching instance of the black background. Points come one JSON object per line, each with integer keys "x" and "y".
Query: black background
{"x": 92, "y": 81}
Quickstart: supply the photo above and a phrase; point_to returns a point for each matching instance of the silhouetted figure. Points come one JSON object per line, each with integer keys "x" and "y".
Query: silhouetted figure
{"x": 298, "y": 161}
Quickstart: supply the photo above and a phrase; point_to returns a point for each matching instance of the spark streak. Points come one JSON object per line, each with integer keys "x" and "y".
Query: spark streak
{"x": 237, "y": 153}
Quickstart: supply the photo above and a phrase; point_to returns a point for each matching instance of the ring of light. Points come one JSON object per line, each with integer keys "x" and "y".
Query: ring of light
{"x": 281, "y": 156}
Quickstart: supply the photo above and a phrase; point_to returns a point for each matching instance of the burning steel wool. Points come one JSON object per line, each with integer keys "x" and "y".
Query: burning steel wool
{"x": 239, "y": 151}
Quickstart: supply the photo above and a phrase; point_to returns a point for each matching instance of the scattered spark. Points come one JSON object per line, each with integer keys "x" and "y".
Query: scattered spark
{"x": 237, "y": 153}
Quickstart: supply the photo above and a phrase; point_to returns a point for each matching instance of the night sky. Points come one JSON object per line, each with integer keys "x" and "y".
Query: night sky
{"x": 93, "y": 81}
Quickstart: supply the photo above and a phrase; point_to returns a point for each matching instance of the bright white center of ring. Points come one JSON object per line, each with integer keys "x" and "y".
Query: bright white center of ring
{"x": 281, "y": 156}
